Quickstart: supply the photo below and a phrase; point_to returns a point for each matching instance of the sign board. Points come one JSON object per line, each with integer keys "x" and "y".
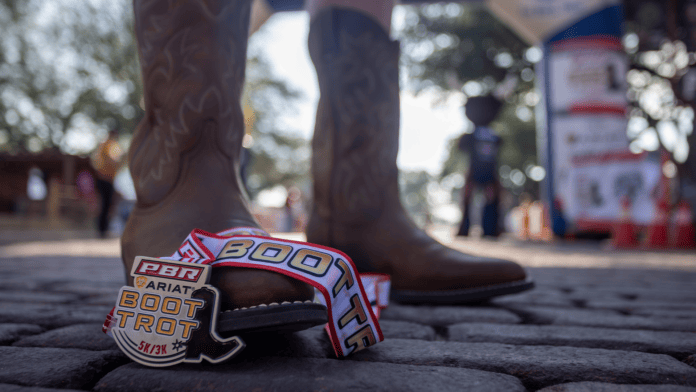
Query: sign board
{"x": 593, "y": 169}
{"x": 583, "y": 126}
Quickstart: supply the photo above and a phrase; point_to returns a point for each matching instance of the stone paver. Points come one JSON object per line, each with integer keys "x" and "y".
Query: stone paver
{"x": 89, "y": 289}
{"x": 52, "y": 316}
{"x": 633, "y": 306}
{"x": 691, "y": 360}
{"x": 104, "y": 299}
{"x": 82, "y": 336}
{"x": 19, "y": 388}
{"x": 13, "y": 281}
{"x": 537, "y": 366}
{"x": 668, "y": 313}
{"x": 11, "y": 332}
{"x": 56, "y": 367}
{"x": 603, "y": 318}
{"x": 582, "y": 329}
{"x": 89, "y": 269}
{"x": 286, "y": 374}
{"x": 650, "y": 294}
{"x": 541, "y": 296}
{"x": 392, "y": 329}
{"x": 448, "y": 315}
{"x": 677, "y": 344}
{"x": 36, "y": 297}
{"x": 604, "y": 387}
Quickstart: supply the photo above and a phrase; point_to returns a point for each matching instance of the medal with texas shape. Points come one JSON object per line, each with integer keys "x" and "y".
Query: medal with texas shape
{"x": 169, "y": 317}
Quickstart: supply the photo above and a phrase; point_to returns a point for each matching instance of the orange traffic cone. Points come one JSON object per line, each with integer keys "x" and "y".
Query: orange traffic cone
{"x": 656, "y": 236}
{"x": 521, "y": 218}
{"x": 683, "y": 235}
{"x": 525, "y": 220}
{"x": 539, "y": 222}
{"x": 624, "y": 231}
{"x": 546, "y": 231}
{"x": 535, "y": 212}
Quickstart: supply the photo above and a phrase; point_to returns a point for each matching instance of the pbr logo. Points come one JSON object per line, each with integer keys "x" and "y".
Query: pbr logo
{"x": 170, "y": 316}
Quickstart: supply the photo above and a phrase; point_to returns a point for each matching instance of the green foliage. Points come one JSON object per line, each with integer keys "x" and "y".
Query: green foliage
{"x": 278, "y": 157}
{"x": 68, "y": 74}
{"x": 460, "y": 40}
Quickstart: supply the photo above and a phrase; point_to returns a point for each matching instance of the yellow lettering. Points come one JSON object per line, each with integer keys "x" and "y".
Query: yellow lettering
{"x": 193, "y": 305}
{"x": 168, "y": 301}
{"x": 155, "y": 302}
{"x": 321, "y": 261}
{"x": 272, "y": 253}
{"x": 171, "y": 328}
{"x": 346, "y": 279}
{"x": 235, "y": 249}
{"x": 129, "y": 299}
{"x": 144, "y": 321}
{"x": 361, "y": 339}
{"x": 124, "y": 316}
{"x": 356, "y": 311}
{"x": 187, "y": 327}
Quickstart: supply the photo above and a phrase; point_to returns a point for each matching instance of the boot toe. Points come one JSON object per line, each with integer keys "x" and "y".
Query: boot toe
{"x": 476, "y": 271}
{"x": 244, "y": 287}
{"x": 447, "y": 269}
{"x": 493, "y": 271}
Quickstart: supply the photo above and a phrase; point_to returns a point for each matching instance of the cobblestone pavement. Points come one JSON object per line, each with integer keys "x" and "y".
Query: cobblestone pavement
{"x": 598, "y": 320}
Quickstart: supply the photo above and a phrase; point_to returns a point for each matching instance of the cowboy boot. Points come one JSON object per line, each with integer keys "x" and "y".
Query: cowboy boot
{"x": 356, "y": 194}
{"x": 184, "y": 157}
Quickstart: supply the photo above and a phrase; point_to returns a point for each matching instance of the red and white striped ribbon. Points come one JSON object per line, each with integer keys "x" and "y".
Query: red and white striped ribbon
{"x": 353, "y": 301}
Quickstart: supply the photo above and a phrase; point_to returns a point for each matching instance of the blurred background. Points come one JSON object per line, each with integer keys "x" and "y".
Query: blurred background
{"x": 69, "y": 74}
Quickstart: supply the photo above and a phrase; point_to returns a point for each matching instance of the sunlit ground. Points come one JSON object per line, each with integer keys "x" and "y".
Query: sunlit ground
{"x": 575, "y": 254}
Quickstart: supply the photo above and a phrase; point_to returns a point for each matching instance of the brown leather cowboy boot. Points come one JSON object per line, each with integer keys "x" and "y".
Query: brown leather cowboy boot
{"x": 356, "y": 194}
{"x": 184, "y": 157}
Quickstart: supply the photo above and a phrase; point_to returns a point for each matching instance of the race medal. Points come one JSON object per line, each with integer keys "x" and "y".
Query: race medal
{"x": 169, "y": 316}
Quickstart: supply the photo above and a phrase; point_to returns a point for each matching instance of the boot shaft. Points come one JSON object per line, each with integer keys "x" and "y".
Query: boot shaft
{"x": 356, "y": 136}
{"x": 193, "y": 56}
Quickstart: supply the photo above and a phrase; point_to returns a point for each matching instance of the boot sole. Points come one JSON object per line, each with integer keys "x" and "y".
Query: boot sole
{"x": 466, "y": 296}
{"x": 275, "y": 318}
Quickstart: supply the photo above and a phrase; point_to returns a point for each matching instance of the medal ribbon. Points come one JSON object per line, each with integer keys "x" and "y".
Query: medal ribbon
{"x": 352, "y": 311}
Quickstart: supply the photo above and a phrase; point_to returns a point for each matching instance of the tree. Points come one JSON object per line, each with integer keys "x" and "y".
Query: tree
{"x": 69, "y": 72}
{"x": 660, "y": 42}
{"x": 464, "y": 45}
{"x": 458, "y": 48}
{"x": 277, "y": 157}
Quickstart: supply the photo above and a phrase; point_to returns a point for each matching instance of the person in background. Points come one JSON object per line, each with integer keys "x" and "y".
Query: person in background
{"x": 106, "y": 160}
{"x": 293, "y": 207}
{"x": 482, "y": 146}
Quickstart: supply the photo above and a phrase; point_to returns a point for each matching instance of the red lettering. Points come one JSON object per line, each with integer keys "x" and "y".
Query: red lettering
{"x": 167, "y": 270}
{"x": 141, "y": 345}
{"x": 188, "y": 273}
{"x": 164, "y": 349}
{"x": 147, "y": 347}
{"x": 146, "y": 267}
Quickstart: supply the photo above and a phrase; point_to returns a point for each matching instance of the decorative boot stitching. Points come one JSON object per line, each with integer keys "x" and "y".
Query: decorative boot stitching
{"x": 193, "y": 61}
{"x": 363, "y": 97}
